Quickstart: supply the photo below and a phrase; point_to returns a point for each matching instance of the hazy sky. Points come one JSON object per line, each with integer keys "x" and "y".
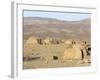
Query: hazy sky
{"x": 69, "y": 16}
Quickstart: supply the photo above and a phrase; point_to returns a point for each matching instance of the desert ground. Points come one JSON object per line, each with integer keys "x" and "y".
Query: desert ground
{"x": 50, "y": 55}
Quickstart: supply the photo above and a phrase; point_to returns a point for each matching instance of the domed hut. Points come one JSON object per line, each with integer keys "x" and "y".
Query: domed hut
{"x": 47, "y": 41}
{"x": 32, "y": 40}
{"x": 68, "y": 42}
{"x": 28, "y": 46}
{"x": 77, "y": 50}
{"x": 72, "y": 52}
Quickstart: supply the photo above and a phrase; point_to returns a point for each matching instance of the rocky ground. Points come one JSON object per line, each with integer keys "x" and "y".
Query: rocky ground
{"x": 50, "y": 56}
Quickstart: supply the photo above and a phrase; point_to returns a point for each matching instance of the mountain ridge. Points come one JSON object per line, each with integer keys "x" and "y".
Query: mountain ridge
{"x": 49, "y": 27}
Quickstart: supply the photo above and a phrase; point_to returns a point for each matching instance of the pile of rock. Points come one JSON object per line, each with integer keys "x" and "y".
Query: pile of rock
{"x": 76, "y": 51}
{"x": 28, "y": 46}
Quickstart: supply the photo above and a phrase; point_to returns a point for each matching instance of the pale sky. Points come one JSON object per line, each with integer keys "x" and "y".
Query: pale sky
{"x": 68, "y": 16}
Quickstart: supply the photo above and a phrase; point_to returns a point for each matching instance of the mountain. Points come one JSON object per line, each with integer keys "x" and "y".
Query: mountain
{"x": 49, "y": 27}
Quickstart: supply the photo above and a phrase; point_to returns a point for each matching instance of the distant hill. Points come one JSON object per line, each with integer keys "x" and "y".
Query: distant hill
{"x": 48, "y": 27}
